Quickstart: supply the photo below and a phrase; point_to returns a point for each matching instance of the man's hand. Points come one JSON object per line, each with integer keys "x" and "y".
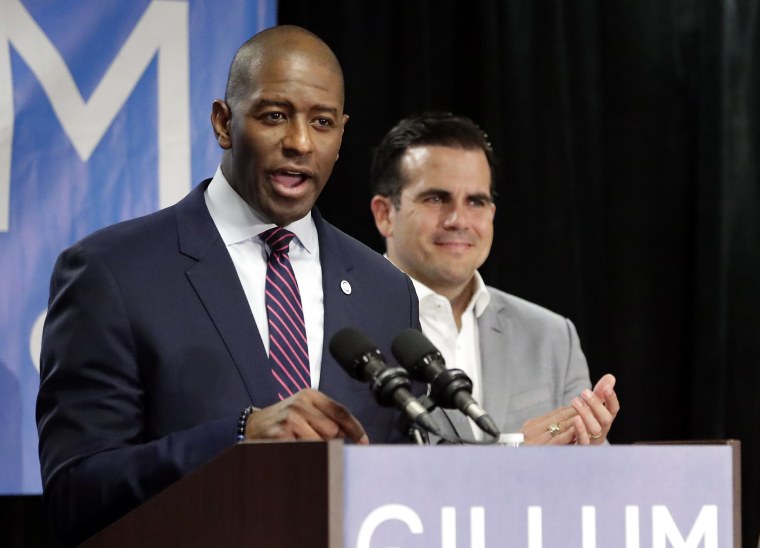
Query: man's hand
{"x": 537, "y": 430}
{"x": 597, "y": 409}
{"x": 586, "y": 422}
{"x": 306, "y": 415}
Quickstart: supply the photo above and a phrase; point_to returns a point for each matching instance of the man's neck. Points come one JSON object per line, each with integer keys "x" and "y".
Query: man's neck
{"x": 459, "y": 296}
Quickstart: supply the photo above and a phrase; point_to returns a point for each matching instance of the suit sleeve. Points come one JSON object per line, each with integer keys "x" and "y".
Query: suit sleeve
{"x": 576, "y": 371}
{"x": 97, "y": 456}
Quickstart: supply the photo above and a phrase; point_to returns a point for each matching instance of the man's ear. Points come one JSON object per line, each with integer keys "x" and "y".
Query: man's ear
{"x": 343, "y": 122}
{"x": 382, "y": 211}
{"x": 221, "y": 120}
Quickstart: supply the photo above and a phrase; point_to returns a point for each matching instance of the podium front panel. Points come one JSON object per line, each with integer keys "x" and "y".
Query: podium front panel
{"x": 539, "y": 497}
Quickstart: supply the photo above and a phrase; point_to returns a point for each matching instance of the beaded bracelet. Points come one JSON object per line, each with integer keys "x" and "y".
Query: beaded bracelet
{"x": 243, "y": 420}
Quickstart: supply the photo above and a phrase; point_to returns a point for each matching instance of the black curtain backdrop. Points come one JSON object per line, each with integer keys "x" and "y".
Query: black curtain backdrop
{"x": 629, "y": 199}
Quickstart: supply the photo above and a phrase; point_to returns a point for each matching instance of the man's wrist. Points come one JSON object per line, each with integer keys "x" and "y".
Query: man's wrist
{"x": 243, "y": 421}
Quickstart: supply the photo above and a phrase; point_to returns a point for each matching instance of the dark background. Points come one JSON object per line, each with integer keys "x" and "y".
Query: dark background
{"x": 629, "y": 198}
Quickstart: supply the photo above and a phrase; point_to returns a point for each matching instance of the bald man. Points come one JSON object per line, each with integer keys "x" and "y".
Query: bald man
{"x": 160, "y": 347}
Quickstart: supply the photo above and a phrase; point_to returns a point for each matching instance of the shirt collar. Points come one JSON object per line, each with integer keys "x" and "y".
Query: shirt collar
{"x": 237, "y": 221}
{"x": 480, "y": 297}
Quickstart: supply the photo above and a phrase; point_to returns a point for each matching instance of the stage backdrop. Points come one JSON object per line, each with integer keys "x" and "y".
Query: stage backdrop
{"x": 104, "y": 116}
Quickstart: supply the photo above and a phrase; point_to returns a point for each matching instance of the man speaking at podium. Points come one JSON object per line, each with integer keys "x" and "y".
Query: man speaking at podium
{"x": 170, "y": 337}
{"x": 432, "y": 180}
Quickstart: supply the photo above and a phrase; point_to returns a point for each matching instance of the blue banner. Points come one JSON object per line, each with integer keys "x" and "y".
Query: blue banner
{"x": 104, "y": 116}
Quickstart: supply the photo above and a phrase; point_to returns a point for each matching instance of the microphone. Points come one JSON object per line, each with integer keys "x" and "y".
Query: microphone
{"x": 450, "y": 388}
{"x": 362, "y": 360}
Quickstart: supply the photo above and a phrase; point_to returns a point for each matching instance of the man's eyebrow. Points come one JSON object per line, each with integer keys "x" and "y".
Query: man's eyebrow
{"x": 433, "y": 192}
{"x": 271, "y": 103}
{"x": 264, "y": 103}
{"x": 447, "y": 194}
{"x": 325, "y": 108}
{"x": 480, "y": 196}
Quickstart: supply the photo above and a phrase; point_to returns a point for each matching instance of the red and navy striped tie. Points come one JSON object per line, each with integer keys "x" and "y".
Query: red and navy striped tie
{"x": 288, "y": 351}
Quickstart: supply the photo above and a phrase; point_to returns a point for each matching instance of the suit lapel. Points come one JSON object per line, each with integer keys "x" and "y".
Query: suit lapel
{"x": 495, "y": 330}
{"x": 338, "y": 309}
{"x": 217, "y": 285}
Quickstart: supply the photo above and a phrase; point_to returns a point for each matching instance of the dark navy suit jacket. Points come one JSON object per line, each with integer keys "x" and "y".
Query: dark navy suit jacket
{"x": 150, "y": 352}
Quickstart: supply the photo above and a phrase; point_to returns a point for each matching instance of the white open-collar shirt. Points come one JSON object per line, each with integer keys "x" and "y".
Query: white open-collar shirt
{"x": 460, "y": 348}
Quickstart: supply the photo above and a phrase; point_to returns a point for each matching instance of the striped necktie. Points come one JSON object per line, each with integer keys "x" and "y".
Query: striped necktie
{"x": 288, "y": 351}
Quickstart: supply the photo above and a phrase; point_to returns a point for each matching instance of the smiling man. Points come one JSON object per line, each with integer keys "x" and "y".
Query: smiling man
{"x": 433, "y": 185}
{"x": 171, "y": 337}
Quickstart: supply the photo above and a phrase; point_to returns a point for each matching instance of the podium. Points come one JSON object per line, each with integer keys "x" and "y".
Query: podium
{"x": 287, "y": 494}
{"x": 327, "y": 494}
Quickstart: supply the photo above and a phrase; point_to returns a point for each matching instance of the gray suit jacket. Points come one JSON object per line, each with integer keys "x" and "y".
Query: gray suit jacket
{"x": 532, "y": 362}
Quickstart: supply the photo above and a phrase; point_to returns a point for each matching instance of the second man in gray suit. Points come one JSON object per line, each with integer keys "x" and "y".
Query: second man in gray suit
{"x": 432, "y": 180}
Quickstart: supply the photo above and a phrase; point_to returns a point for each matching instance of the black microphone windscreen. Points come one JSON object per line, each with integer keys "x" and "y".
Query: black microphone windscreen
{"x": 410, "y": 346}
{"x": 347, "y": 345}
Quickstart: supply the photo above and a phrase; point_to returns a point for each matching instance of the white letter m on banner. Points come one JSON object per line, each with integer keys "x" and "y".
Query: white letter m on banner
{"x": 163, "y": 28}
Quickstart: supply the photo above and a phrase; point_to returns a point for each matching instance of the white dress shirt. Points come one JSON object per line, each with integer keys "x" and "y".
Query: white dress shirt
{"x": 240, "y": 225}
{"x": 460, "y": 348}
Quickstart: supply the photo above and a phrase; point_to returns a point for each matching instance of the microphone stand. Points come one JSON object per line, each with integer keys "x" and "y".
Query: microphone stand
{"x": 413, "y": 431}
